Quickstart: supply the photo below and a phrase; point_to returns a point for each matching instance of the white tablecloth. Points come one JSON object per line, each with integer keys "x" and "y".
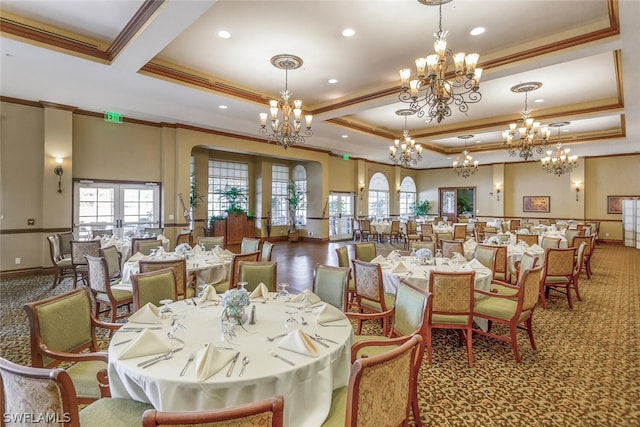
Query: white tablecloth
{"x": 306, "y": 387}
{"x": 208, "y": 269}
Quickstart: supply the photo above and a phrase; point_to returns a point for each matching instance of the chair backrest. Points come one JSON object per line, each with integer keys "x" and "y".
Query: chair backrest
{"x": 249, "y": 244}
{"x": 80, "y": 248}
{"x": 153, "y": 287}
{"x": 61, "y": 323}
{"x": 211, "y": 242}
{"x": 267, "y": 250}
{"x": 330, "y": 284}
{"x": 410, "y": 310}
{"x": 179, "y": 267}
{"x": 577, "y": 268}
{"x": 489, "y": 229}
{"x": 365, "y": 251}
{"x": 256, "y": 272}
{"x": 368, "y": 282}
{"x": 369, "y": 404}
{"x": 26, "y": 390}
{"x": 343, "y": 257}
{"x": 101, "y": 233}
{"x": 54, "y": 249}
{"x": 154, "y": 231}
{"x": 452, "y": 297}
{"x": 414, "y": 245}
{"x": 569, "y": 235}
{"x": 144, "y": 245}
{"x": 460, "y": 232}
{"x": 440, "y": 236}
{"x": 450, "y": 247}
{"x": 426, "y": 229}
{"x": 501, "y": 262}
{"x": 235, "y": 265}
{"x": 559, "y": 262}
{"x": 486, "y": 254}
{"x": 263, "y": 413}
{"x": 112, "y": 256}
{"x": 64, "y": 240}
{"x": 550, "y": 242}
{"x": 529, "y": 239}
{"x": 395, "y": 227}
{"x": 184, "y": 237}
{"x": 514, "y": 224}
{"x": 588, "y": 240}
{"x": 365, "y": 225}
{"x": 98, "y": 274}
{"x": 530, "y": 288}
{"x": 527, "y": 262}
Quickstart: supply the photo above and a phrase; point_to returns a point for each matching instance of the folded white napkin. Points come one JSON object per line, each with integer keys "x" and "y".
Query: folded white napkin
{"x": 327, "y": 313}
{"x": 145, "y": 344}
{"x": 311, "y": 298}
{"x": 110, "y": 242}
{"x": 469, "y": 244}
{"x": 208, "y": 294}
{"x": 136, "y": 257}
{"x": 197, "y": 249}
{"x": 148, "y": 313}
{"x": 379, "y": 259}
{"x": 401, "y": 267}
{"x": 164, "y": 239}
{"x": 523, "y": 244}
{"x": 299, "y": 342}
{"x": 535, "y": 247}
{"x": 226, "y": 254}
{"x": 260, "y": 292}
{"x": 476, "y": 265}
{"x": 210, "y": 360}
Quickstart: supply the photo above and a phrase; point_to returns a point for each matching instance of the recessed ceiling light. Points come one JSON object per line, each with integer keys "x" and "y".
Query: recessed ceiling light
{"x": 224, "y": 34}
{"x": 478, "y": 142}
{"x": 332, "y": 81}
{"x": 538, "y": 101}
{"x": 222, "y": 107}
{"x": 345, "y": 136}
{"x": 564, "y": 130}
{"x": 477, "y": 31}
{"x": 348, "y": 32}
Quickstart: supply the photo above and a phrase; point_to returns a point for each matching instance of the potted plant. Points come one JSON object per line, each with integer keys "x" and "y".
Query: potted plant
{"x": 236, "y": 198}
{"x": 421, "y": 208}
{"x": 295, "y": 198}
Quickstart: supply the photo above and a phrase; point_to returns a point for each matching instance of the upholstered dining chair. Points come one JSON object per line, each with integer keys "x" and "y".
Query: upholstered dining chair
{"x": 266, "y": 251}
{"x": 211, "y": 242}
{"x": 415, "y": 245}
{"x": 451, "y": 247}
{"x": 365, "y": 251}
{"x": 50, "y": 392}
{"x": 80, "y": 248}
{"x": 104, "y": 293}
{"x": 101, "y": 233}
{"x": 590, "y": 242}
{"x": 62, "y": 266}
{"x": 558, "y": 273}
{"x": 263, "y": 413}
{"x": 364, "y": 230}
{"x": 62, "y": 330}
{"x": 451, "y": 307}
{"x": 153, "y": 287}
{"x": 550, "y": 242}
{"x": 412, "y": 232}
{"x": 529, "y": 239}
{"x": 331, "y": 285}
{"x": 514, "y": 225}
{"x": 114, "y": 261}
{"x": 225, "y": 285}
{"x": 64, "y": 240}
{"x": 154, "y": 231}
{"x": 394, "y": 232}
{"x": 501, "y": 272}
{"x": 343, "y": 261}
{"x": 256, "y": 272}
{"x": 440, "y": 236}
{"x": 185, "y": 236}
{"x": 460, "y": 232}
{"x": 512, "y": 308}
{"x": 426, "y": 230}
{"x": 370, "y": 295}
{"x": 527, "y": 262}
{"x": 144, "y": 245}
{"x": 486, "y": 254}
{"x": 249, "y": 244}
{"x": 185, "y": 283}
{"x": 380, "y": 390}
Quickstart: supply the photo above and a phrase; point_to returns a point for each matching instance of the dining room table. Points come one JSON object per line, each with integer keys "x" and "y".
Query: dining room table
{"x": 514, "y": 252}
{"x": 265, "y": 364}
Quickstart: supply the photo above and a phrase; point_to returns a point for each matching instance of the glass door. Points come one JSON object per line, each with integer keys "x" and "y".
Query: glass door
{"x": 122, "y": 209}
{"x": 457, "y": 201}
{"x": 341, "y": 216}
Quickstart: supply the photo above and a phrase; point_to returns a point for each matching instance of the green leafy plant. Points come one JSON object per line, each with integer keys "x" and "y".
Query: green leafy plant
{"x": 214, "y": 218}
{"x": 295, "y": 198}
{"x": 236, "y": 198}
{"x": 194, "y": 197}
{"x": 422, "y": 208}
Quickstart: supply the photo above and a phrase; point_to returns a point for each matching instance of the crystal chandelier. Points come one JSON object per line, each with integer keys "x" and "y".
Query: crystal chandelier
{"x": 285, "y": 129}
{"x": 405, "y": 151}
{"x": 465, "y": 166}
{"x": 561, "y": 161}
{"x": 530, "y": 134}
{"x": 431, "y": 92}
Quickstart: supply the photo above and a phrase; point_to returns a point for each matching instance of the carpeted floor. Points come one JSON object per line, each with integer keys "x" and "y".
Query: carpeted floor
{"x": 586, "y": 371}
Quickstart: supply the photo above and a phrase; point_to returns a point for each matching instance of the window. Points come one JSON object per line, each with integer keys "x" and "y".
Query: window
{"x": 223, "y": 175}
{"x": 379, "y": 196}
{"x": 407, "y": 196}
{"x": 300, "y": 180}
{"x": 279, "y": 205}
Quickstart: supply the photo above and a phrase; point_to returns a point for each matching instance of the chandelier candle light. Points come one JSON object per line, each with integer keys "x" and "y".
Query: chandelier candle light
{"x": 405, "y": 151}
{"x": 431, "y": 92}
{"x": 561, "y": 162}
{"x": 285, "y": 129}
{"x": 466, "y": 166}
{"x": 531, "y": 135}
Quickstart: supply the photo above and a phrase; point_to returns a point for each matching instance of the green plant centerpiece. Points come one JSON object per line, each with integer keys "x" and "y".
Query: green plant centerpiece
{"x": 236, "y": 199}
{"x": 421, "y": 208}
{"x": 295, "y": 199}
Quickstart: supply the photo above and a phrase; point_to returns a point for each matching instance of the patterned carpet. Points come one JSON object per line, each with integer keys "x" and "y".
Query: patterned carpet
{"x": 586, "y": 371}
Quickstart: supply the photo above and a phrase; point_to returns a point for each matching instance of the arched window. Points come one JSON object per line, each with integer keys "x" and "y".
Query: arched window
{"x": 407, "y": 196}
{"x": 299, "y": 177}
{"x": 379, "y": 196}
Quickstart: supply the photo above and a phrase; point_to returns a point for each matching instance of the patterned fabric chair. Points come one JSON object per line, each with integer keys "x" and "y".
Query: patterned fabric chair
{"x": 101, "y": 233}
{"x": 249, "y": 245}
{"x": 426, "y": 230}
{"x": 263, "y": 413}
{"x": 233, "y": 270}
{"x": 62, "y": 266}
{"x": 365, "y": 251}
{"x": 364, "y": 230}
{"x": 443, "y": 236}
{"x": 460, "y": 232}
{"x": 486, "y": 254}
{"x": 450, "y": 247}
{"x": 343, "y": 261}
{"x": 256, "y": 272}
{"x": 590, "y": 242}
{"x": 64, "y": 240}
{"x": 527, "y": 262}
{"x": 558, "y": 273}
{"x": 412, "y": 233}
{"x": 394, "y": 232}
{"x": 153, "y": 287}
{"x": 144, "y": 245}
{"x": 550, "y": 242}
{"x": 514, "y": 225}
{"x": 62, "y": 329}
{"x": 529, "y": 239}
{"x": 331, "y": 285}
{"x": 380, "y": 391}
{"x": 50, "y": 392}
{"x": 501, "y": 272}
{"x": 80, "y": 248}
{"x": 451, "y": 307}
{"x": 211, "y": 242}
{"x": 114, "y": 261}
{"x": 417, "y": 244}
{"x": 184, "y": 237}
{"x": 266, "y": 251}
{"x": 104, "y": 293}
{"x": 370, "y": 295}
{"x": 185, "y": 284}
{"x": 512, "y": 309}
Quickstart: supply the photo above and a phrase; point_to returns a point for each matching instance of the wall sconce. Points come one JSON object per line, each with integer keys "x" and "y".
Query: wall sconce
{"x": 577, "y": 192}
{"x": 361, "y": 189}
{"x": 498, "y": 193}
{"x": 398, "y": 190}
{"x": 59, "y": 171}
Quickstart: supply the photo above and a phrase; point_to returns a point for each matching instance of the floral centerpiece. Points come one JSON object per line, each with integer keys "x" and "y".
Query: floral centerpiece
{"x": 183, "y": 249}
{"x": 494, "y": 240}
{"x": 424, "y": 256}
{"x": 235, "y": 302}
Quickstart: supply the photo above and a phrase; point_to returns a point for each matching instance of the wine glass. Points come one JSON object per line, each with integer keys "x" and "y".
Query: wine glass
{"x": 177, "y": 331}
{"x": 290, "y": 324}
{"x": 282, "y": 290}
{"x": 165, "y": 311}
{"x": 242, "y": 285}
{"x": 202, "y": 288}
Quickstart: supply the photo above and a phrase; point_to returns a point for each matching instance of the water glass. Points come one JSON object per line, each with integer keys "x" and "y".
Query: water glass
{"x": 282, "y": 290}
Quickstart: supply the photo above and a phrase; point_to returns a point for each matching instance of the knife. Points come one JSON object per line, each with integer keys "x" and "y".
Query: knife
{"x": 325, "y": 339}
{"x": 318, "y": 341}
{"x": 233, "y": 364}
{"x": 154, "y": 359}
{"x": 131, "y": 329}
{"x": 165, "y": 357}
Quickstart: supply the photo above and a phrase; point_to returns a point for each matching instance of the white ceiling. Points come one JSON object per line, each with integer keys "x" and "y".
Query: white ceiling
{"x": 556, "y": 42}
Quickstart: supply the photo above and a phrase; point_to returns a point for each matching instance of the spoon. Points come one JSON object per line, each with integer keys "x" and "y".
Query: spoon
{"x": 245, "y": 362}
{"x": 276, "y": 337}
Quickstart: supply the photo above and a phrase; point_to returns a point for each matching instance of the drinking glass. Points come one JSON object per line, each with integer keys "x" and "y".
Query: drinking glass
{"x": 290, "y": 324}
{"x": 282, "y": 290}
{"x": 165, "y": 311}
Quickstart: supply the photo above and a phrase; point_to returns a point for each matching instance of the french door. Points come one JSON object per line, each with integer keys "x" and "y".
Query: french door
{"x": 341, "y": 215}
{"x": 124, "y": 209}
{"x": 456, "y": 201}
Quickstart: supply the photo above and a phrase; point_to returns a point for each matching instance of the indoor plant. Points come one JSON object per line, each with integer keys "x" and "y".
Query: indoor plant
{"x": 236, "y": 198}
{"x": 295, "y": 198}
{"x": 421, "y": 208}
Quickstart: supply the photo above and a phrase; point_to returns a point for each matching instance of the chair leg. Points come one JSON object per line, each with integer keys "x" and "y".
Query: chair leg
{"x": 429, "y": 345}
{"x": 529, "y": 325}
{"x": 514, "y": 342}
{"x": 568, "y": 289}
{"x": 587, "y": 266}
{"x": 469, "y": 336}
{"x": 576, "y": 288}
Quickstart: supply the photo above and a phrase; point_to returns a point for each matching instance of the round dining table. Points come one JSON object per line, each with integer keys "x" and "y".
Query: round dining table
{"x": 305, "y": 382}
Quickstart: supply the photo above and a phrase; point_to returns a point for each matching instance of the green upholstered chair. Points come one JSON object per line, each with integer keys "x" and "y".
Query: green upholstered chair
{"x": 80, "y": 248}
{"x": 451, "y": 247}
{"x": 370, "y": 295}
{"x": 331, "y": 285}
{"x": 249, "y": 244}
{"x": 256, "y": 272}
{"x": 50, "y": 392}
{"x": 559, "y": 267}
{"x": 144, "y": 245}
{"x": 263, "y": 413}
{"x": 501, "y": 271}
{"x": 365, "y": 251}
{"x": 512, "y": 309}
{"x": 233, "y": 270}
{"x": 380, "y": 390}
{"x": 486, "y": 254}
{"x": 62, "y": 329}
{"x": 114, "y": 261}
{"x": 527, "y": 262}
{"x": 412, "y": 233}
{"x": 343, "y": 261}
{"x": 185, "y": 283}
{"x": 104, "y": 292}
{"x": 529, "y": 239}
{"x": 154, "y": 231}
{"x": 266, "y": 251}
{"x": 64, "y": 240}
{"x": 440, "y": 236}
{"x": 451, "y": 307}
{"x": 550, "y": 242}
{"x": 153, "y": 287}
{"x": 62, "y": 266}
{"x": 415, "y": 245}
{"x": 211, "y": 242}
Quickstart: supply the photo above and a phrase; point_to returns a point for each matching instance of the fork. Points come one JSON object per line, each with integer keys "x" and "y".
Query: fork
{"x": 186, "y": 365}
{"x": 276, "y": 337}
{"x": 245, "y": 362}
